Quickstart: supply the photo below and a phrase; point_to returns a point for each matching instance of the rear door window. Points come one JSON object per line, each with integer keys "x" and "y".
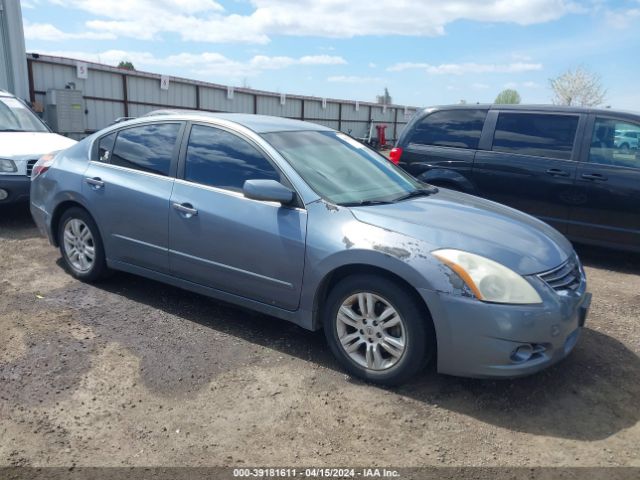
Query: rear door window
{"x": 450, "y": 128}
{"x": 541, "y": 135}
{"x": 147, "y": 148}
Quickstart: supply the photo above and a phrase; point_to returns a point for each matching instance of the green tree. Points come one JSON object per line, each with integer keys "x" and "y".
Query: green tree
{"x": 126, "y": 65}
{"x": 507, "y": 97}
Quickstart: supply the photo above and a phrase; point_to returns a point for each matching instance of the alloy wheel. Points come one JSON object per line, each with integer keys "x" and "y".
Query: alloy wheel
{"x": 371, "y": 331}
{"x": 79, "y": 245}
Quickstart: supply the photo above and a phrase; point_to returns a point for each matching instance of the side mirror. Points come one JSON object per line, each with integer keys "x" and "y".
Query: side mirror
{"x": 267, "y": 191}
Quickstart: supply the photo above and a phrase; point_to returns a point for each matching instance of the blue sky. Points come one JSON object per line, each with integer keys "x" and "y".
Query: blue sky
{"x": 425, "y": 52}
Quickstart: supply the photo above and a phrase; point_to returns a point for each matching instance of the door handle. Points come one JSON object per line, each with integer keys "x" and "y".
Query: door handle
{"x": 594, "y": 176}
{"x": 95, "y": 182}
{"x": 556, "y": 172}
{"x": 185, "y": 208}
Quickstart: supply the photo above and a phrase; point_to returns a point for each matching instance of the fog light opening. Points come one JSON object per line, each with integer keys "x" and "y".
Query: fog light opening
{"x": 3, "y": 194}
{"x": 522, "y": 354}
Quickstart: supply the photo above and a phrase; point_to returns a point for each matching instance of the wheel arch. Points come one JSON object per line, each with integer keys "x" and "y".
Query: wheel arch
{"x": 337, "y": 274}
{"x": 448, "y": 178}
{"x": 57, "y": 215}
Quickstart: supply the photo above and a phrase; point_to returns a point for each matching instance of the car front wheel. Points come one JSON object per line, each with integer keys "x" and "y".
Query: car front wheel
{"x": 81, "y": 246}
{"x": 378, "y": 331}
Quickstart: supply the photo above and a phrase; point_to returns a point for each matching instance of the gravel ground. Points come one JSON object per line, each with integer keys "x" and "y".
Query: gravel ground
{"x": 132, "y": 372}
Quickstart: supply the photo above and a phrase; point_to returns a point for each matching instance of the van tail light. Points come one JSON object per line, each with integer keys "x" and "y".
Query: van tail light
{"x": 43, "y": 164}
{"x": 395, "y": 154}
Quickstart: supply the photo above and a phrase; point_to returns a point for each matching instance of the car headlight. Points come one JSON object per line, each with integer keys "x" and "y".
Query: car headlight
{"x": 488, "y": 280}
{"x": 7, "y": 166}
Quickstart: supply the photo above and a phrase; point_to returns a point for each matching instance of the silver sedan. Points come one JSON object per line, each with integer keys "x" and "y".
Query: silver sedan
{"x": 305, "y": 223}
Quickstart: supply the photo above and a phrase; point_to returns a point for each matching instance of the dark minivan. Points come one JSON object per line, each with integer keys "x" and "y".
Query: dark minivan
{"x": 561, "y": 164}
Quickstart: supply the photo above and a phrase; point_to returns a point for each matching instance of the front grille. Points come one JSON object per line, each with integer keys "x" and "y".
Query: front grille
{"x": 30, "y": 165}
{"x": 566, "y": 277}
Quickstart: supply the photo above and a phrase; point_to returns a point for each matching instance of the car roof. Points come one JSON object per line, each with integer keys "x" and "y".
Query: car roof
{"x": 534, "y": 107}
{"x": 257, "y": 123}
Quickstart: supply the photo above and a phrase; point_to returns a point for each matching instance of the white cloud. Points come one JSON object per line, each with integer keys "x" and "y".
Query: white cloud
{"x": 479, "y": 86}
{"x": 528, "y": 84}
{"x": 322, "y": 60}
{"x": 29, "y": 4}
{"x": 465, "y": 68}
{"x": 353, "y": 79}
{"x": 372, "y": 65}
{"x": 206, "y": 63}
{"x": 48, "y": 32}
{"x": 520, "y": 57}
{"x": 622, "y": 19}
{"x": 208, "y": 21}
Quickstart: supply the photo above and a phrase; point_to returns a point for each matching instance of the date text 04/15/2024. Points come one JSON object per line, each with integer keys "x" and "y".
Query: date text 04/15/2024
{"x": 315, "y": 473}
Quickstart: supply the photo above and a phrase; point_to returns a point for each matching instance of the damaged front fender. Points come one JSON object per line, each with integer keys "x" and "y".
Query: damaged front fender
{"x": 335, "y": 239}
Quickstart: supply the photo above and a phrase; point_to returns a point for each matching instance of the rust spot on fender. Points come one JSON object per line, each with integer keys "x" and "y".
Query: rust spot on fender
{"x": 400, "y": 253}
{"x": 330, "y": 206}
{"x": 347, "y": 243}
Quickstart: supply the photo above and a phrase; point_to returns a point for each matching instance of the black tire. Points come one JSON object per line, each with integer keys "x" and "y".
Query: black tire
{"x": 98, "y": 269}
{"x": 418, "y": 328}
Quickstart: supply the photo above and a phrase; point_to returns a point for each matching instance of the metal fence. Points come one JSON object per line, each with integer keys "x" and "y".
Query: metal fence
{"x": 111, "y": 92}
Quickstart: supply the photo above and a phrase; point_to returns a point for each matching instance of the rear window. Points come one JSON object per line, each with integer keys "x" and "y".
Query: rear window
{"x": 147, "y": 148}
{"x": 105, "y": 147}
{"x": 450, "y": 128}
{"x": 541, "y": 135}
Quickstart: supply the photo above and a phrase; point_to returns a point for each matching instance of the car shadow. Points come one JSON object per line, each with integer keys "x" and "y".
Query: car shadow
{"x": 609, "y": 259}
{"x": 589, "y": 396}
{"x": 16, "y": 222}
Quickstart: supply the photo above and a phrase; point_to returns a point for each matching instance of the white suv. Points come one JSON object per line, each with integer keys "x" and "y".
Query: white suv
{"x": 23, "y": 139}
{"x": 627, "y": 139}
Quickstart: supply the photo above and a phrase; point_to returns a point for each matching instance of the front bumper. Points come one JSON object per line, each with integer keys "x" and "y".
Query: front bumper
{"x": 17, "y": 188}
{"x": 477, "y": 339}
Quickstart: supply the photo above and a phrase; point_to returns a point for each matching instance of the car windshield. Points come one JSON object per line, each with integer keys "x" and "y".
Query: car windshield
{"x": 16, "y": 117}
{"x": 342, "y": 170}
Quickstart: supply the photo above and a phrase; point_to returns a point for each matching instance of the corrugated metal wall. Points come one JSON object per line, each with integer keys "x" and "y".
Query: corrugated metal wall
{"x": 110, "y": 93}
{"x": 13, "y": 68}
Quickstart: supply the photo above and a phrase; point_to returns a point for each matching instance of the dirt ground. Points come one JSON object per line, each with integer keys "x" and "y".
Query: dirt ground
{"x": 132, "y": 372}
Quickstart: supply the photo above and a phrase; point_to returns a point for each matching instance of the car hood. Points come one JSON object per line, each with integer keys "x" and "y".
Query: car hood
{"x": 450, "y": 219}
{"x": 31, "y": 144}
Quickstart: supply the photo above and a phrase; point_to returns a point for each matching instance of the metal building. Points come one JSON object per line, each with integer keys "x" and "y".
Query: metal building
{"x": 13, "y": 66}
{"x": 109, "y": 92}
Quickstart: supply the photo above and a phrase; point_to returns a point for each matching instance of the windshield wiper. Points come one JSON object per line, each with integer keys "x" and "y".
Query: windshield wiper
{"x": 418, "y": 192}
{"x": 10, "y": 130}
{"x": 365, "y": 203}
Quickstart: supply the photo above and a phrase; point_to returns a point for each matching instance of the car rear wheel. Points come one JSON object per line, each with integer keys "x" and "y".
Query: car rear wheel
{"x": 377, "y": 330}
{"x": 81, "y": 246}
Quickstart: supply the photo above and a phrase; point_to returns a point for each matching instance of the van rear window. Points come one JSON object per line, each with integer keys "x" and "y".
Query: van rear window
{"x": 540, "y": 135}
